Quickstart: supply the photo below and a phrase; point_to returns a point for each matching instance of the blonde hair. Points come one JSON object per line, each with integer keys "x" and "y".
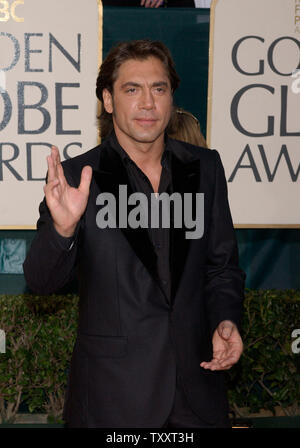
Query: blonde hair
{"x": 185, "y": 126}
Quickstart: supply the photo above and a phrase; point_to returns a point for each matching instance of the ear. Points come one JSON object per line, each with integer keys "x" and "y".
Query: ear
{"x": 107, "y": 101}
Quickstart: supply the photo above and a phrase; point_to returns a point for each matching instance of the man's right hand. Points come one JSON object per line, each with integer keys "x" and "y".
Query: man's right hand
{"x": 66, "y": 204}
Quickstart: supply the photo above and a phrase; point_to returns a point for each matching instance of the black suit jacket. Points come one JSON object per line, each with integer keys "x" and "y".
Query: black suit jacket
{"x": 131, "y": 340}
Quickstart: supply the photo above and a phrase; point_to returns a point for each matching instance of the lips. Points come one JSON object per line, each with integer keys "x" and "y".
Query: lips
{"x": 146, "y": 121}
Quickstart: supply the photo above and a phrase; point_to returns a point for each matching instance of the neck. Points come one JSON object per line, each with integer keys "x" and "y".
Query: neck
{"x": 144, "y": 154}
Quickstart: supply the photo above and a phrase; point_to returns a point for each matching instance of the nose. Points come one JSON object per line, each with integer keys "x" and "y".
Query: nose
{"x": 147, "y": 100}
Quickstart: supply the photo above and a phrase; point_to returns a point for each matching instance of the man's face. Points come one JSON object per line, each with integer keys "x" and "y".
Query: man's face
{"x": 141, "y": 102}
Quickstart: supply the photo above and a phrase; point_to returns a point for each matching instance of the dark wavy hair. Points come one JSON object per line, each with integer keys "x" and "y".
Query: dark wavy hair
{"x": 122, "y": 52}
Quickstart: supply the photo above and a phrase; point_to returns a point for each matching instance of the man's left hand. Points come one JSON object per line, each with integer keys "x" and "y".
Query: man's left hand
{"x": 227, "y": 347}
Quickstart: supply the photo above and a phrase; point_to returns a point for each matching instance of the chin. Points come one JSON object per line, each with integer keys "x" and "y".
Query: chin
{"x": 146, "y": 137}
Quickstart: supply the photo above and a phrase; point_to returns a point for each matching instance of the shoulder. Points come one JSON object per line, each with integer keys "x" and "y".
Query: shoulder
{"x": 73, "y": 166}
{"x": 90, "y": 157}
{"x": 187, "y": 152}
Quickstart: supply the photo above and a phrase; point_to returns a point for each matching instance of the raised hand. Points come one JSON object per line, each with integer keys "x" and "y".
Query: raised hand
{"x": 66, "y": 203}
{"x": 227, "y": 347}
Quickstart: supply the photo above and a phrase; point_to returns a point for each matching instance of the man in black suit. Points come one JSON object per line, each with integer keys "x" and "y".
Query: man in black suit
{"x": 160, "y": 307}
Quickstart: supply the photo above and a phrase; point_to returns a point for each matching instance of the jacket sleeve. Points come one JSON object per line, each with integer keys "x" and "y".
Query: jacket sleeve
{"x": 51, "y": 260}
{"x": 225, "y": 281}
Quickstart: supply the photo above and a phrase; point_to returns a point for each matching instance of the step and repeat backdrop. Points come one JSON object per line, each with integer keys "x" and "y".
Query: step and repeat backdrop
{"x": 239, "y": 64}
{"x": 49, "y": 57}
{"x": 254, "y": 107}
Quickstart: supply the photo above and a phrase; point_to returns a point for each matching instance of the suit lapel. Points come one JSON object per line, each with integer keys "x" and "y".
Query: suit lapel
{"x": 185, "y": 178}
{"x": 111, "y": 174}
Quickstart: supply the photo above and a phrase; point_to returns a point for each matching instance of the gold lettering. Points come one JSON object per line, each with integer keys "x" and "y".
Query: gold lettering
{"x": 13, "y": 9}
{"x": 4, "y": 9}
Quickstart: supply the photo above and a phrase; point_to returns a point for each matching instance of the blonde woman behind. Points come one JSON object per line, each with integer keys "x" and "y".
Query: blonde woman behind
{"x": 184, "y": 126}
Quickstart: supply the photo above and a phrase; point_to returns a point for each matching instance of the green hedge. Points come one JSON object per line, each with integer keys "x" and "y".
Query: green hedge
{"x": 40, "y": 334}
{"x": 268, "y": 374}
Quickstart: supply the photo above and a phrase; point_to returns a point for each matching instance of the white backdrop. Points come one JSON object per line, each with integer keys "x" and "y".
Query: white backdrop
{"x": 254, "y": 107}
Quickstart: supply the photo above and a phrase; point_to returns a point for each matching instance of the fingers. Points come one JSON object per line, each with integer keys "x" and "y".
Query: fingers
{"x": 56, "y": 174}
{"x": 229, "y": 361}
{"x": 61, "y": 175}
{"x": 49, "y": 187}
{"x": 85, "y": 180}
{"x": 225, "y": 358}
{"x": 55, "y": 170}
{"x": 225, "y": 362}
{"x": 212, "y": 365}
{"x": 56, "y": 181}
{"x": 53, "y": 160}
{"x": 52, "y": 178}
{"x": 225, "y": 329}
{"x": 51, "y": 168}
{"x": 227, "y": 347}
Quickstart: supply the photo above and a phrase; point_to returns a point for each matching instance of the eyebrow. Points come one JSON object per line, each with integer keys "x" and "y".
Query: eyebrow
{"x": 136, "y": 84}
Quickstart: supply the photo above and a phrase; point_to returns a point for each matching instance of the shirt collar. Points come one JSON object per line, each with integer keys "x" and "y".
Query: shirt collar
{"x": 125, "y": 157}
